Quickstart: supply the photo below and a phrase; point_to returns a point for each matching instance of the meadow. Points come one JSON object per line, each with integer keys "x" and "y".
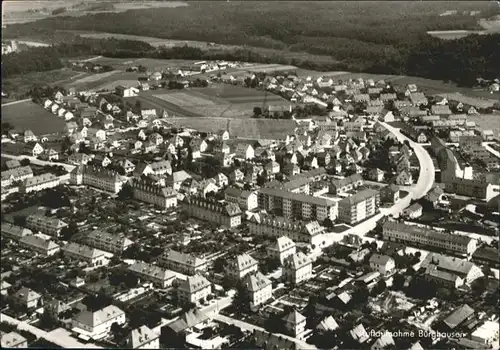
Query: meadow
{"x": 29, "y": 115}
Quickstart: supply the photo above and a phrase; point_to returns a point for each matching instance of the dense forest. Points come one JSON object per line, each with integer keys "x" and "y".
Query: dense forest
{"x": 378, "y": 37}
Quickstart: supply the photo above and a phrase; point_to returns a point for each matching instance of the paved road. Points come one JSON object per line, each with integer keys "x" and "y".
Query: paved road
{"x": 36, "y": 161}
{"x": 490, "y": 149}
{"x": 250, "y": 327}
{"x": 424, "y": 184}
{"x": 16, "y": 102}
{"x": 58, "y": 337}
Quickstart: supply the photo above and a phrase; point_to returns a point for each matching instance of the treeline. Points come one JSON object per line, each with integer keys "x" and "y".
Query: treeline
{"x": 37, "y": 59}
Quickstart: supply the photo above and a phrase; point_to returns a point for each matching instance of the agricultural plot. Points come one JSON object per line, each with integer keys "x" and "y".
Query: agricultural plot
{"x": 114, "y": 84}
{"x": 487, "y": 122}
{"x": 29, "y": 115}
{"x": 183, "y": 99}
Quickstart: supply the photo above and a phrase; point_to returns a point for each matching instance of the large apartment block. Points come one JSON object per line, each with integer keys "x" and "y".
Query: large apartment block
{"x": 92, "y": 256}
{"x": 48, "y": 225}
{"x": 358, "y": 207}
{"x": 17, "y": 174}
{"x": 184, "y": 263}
{"x": 38, "y": 183}
{"x": 97, "y": 177}
{"x": 476, "y": 188}
{"x": 161, "y": 277}
{"x": 226, "y": 214}
{"x": 424, "y": 236}
{"x": 297, "y": 206}
{"x": 109, "y": 242}
{"x": 277, "y": 226}
{"x": 162, "y": 197}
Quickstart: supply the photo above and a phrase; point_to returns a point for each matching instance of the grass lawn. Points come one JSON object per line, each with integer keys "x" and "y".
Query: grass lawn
{"x": 29, "y": 115}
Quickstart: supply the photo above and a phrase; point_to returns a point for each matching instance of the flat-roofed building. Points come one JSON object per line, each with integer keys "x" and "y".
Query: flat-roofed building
{"x": 297, "y": 206}
{"x": 92, "y": 256}
{"x": 109, "y": 242}
{"x": 359, "y": 206}
{"x": 39, "y": 245}
{"x": 45, "y": 224}
{"x": 241, "y": 266}
{"x": 161, "y": 277}
{"x": 184, "y": 263}
{"x": 194, "y": 289}
{"x": 297, "y": 268}
{"x": 424, "y": 236}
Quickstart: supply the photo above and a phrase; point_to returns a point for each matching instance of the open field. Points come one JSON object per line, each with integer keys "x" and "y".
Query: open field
{"x": 269, "y": 68}
{"x": 243, "y": 128}
{"x": 112, "y": 85}
{"x": 474, "y": 101}
{"x": 186, "y": 99}
{"x": 28, "y": 115}
{"x": 487, "y": 122}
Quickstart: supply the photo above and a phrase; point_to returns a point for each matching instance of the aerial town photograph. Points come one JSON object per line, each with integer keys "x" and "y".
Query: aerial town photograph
{"x": 250, "y": 174}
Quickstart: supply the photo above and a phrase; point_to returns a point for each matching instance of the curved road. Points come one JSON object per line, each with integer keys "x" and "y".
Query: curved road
{"x": 34, "y": 160}
{"x": 424, "y": 184}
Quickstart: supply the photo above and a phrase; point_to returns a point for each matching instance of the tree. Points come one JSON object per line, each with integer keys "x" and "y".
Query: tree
{"x": 126, "y": 193}
{"x": 25, "y": 162}
{"x": 20, "y": 220}
{"x": 48, "y": 320}
{"x": 257, "y": 111}
{"x": 69, "y": 231}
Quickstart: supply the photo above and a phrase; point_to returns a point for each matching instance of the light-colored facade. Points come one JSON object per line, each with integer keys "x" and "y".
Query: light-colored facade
{"x": 283, "y": 248}
{"x": 247, "y": 200}
{"x": 13, "y": 340}
{"x": 184, "y": 263}
{"x": 358, "y": 207}
{"x": 277, "y": 226}
{"x": 241, "y": 266}
{"x": 161, "y": 277}
{"x": 143, "y": 338}
{"x": 259, "y": 287}
{"x": 382, "y": 263}
{"x": 17, "y": 174}
{"x": 39, "y": 245}
{"x": 97, "y": 177}
{"x": 92, "y": 256}
{"x": 297, "y": 206}
{"x": 194, "y": 289}
{"x": 109, "y": 242}
{"x": 226, "y": 214}
{"x": 39, "y": 183}
{"x": 97, "y": 324}
{"x": 162, "y": 197}
{"x": 297, "y": 268}
{"x": 424, "y": 236}
{"x": 47, "y": 225}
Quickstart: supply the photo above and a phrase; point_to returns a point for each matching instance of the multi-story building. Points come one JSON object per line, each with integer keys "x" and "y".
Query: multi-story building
{"x": 17, "y": 174}
{"x": 295, "y": 324}
{"x": 277, "y": 226}
{"x": 97, "y": 324}
{"x": 449, "y": 271}
{"x": 349, "y": 183}
{"x": 109, "y": 242}
{"x": 226, "y": 214}
{"x": 48, "y": 225}
{"x": 195, "y": 289}
{"x": 39, "y": 245}
{"x": 162, "y": 197}
{"x": 15, "y": 232}
{"x": 296, "y": 184}
{"x": 382, "y": 263}
{"x": 161, "y": 277}
{"x": 247, "y": 200}
{"x": 424, "y": 236}
{"x": 184, "y": 263}
{"x": 358, "y": 207}
{"x": 98, "y": 177}
{"x": 38, "y": 183}
{"x": 143, "y": 338}
{"x": 28, "y": 298}
{"x": 298, "y": 206}
{"x": 241, "y": 266}
{"x": 297, "y": 268}
{"x": 282, "y": 249}
{"x": 259, "y": 287}
{"x": 93, "y": 257}
{"x": 476, "y": 188}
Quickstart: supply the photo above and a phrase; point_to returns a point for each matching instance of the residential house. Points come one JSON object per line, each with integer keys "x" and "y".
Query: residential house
{"x": 413, "y": 211}
{"x": 28, "y": 298}
{"x": 194, "y": 289}
{"x": 240, "y": 266}
{"x": 297, "y": 268}
{"x": 39, "y": 245}
{"x": 38, "y": 183}
{"x": 97, "y": 324}
{"x": 295, "y": 324}
{"x": 228, "y": 214}
{"x": 13, "y": 340}
{"x": 259, "y": 288}
{"x": 93, "y": 257}
{"x": 184, "y": 263}
{"x": 390, "y": 194}
{"x": 283, "y": 248}
{"x": 382, "y": 263}
{"x": 143, "y": 338}
{"x": 247, "y": 200}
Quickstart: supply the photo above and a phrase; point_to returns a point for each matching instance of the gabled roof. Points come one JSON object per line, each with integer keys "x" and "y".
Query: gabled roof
{"x": 94, "y": 319}
{"x": 327, "y": 324}
{"x": 27, "y": 295}
{"x": 294, "y": 317}
{"x": 379, "y": 259}
{"x": 244, "y": 261}
{"x": 458, "y": 316}
{"x": 298, "y": 260}
{"x": 188, "y": 320}
{"x": 283, "y": 243}
{"x": 194, "y": 283}
{"x": 141, "y": 336}
{"x": 256, "y": 282}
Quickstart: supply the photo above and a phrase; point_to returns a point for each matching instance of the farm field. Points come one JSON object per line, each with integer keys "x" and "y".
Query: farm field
{"x": 218, "y": 100}
{"x": 112, "y": 85}
{"x": 242, "y": 128}
{"x": 29, "y": 115}
{"x": 487, "y": 121}
{"x": 475, "y": 101}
